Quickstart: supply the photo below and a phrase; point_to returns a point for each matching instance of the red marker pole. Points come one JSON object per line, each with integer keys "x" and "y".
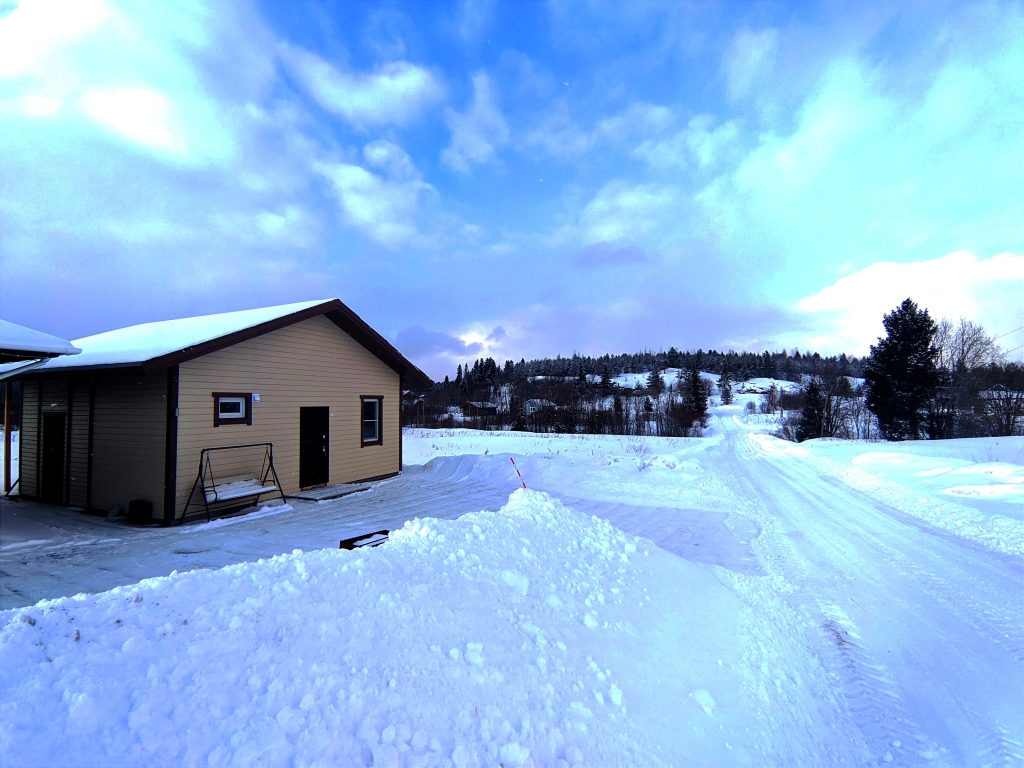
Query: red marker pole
{"x": 517, "y": 470}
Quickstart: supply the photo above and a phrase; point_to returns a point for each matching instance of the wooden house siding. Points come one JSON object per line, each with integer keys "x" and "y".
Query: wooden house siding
{"x": 129, "y": 428}
{"x": 55, "y": 400}
{"x": 78, "y": 433}
{"x": 28, "y": 484}
{"x": 308, "y": 364}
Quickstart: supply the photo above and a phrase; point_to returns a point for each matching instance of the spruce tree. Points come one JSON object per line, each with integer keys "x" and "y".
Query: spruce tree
{"x": 813, "y": 414}
{"x": 695, "y": 394}
{"x": 607, "y": 385}
{"x": 725, "y": 387}
{"x": 655, "y": 383}
{"x": 582, "y": 383}
{"x": 901, "y": 375}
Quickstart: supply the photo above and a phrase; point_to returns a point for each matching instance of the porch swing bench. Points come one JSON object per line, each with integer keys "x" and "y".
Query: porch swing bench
{"x": 234, "y": 487}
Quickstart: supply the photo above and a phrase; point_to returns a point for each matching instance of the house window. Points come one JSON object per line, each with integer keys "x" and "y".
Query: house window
{"x": 232, "y": 408}
{"x": 371, "y": 426}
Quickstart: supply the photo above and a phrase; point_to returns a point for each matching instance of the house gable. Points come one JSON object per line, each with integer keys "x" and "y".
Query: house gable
{"x": 307, "y": 364}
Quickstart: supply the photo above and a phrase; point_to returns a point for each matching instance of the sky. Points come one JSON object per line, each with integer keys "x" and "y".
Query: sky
{"x": 517, "y": 179}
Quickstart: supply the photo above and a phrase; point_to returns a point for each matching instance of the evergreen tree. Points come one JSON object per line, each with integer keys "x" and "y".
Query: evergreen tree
{"x": 672, "y": 358}
{"x": 813, "y": 414}
{"x": 901, "y": 375}
{"x": 695, "y": 394}
{"x": 655, "y": 383}
{"x": 607, "y": 385}
{"x": 725, "y": 387}
{"x": 581, "y": 382}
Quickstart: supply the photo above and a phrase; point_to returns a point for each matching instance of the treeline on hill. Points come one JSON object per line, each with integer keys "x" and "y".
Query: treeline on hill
{"x": 491, "y": 397}
{"x": 577, "y": 394}
{"x": 788, "y": 366}
{"x": 923, "y": 379}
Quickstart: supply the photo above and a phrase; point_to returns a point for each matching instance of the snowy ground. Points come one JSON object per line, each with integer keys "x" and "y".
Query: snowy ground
{"x": 729, "y": 600}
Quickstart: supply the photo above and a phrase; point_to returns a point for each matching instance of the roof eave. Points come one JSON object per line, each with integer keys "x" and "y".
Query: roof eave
{"x": 334, "y": 310}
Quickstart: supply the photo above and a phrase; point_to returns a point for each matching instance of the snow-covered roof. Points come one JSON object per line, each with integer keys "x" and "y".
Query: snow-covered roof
{"x": 19, "y": 343}
{"x": 193, "y": 336}
{"x": 139, "y": 343}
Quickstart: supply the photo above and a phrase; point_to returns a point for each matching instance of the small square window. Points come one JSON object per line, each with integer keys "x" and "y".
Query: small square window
{"x": 371, "y": 421}
{"x": 232, "y": 408}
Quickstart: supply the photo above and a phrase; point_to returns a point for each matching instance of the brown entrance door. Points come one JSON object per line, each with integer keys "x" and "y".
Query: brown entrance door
{"x": 314, "y": 446}
{"x": 52, "y": 469}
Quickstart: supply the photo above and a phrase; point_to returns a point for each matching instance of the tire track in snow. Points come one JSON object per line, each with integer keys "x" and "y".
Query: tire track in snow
{"x": 1000, "y": 749}
{"x": 1005, "y": 631}
{"x": 872, "y": 693}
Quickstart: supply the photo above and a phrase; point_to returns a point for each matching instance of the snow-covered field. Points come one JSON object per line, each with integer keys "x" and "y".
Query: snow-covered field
{"x": 728, "y": 600}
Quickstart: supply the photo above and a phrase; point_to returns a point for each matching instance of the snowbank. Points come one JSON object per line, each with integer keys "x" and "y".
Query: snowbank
{"x": 973, "y": 488}
{"x": 534, "y": 635}
{"x": 629, "y": 469}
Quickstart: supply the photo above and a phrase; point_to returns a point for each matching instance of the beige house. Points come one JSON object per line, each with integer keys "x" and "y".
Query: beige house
{"x": 129, "y": 418}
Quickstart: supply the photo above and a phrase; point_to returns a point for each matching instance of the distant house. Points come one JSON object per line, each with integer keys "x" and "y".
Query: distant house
{"x": 128, "y": 418}
{"x": 472, "y": 408}
{"x": 533, "y": 406}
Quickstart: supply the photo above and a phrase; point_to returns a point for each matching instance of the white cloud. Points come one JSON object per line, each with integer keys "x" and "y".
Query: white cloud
{"x": 620, "y": 212}
{"x": 877, "y": 167}
{"x": 390, "y": 158}
{"x": 560, "y": 136}
{"x": 700, "y": 144}
{"x": 384, "y": 210}
{"x": 748, "y": 60}
{"x": 638, "y": 119}
{"x": 847, "y": 315}
{"x": 36, "y": 31}
{"x": 396, "y": 94}
{"x": 142, "y": 115}
{"x": 478, "y": 132}
{"x": 473, "y": 20}
{"x": 129, "y": 71}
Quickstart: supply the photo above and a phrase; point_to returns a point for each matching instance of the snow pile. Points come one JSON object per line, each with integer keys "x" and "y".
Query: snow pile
{"x": 629, "y": 469}
{"x": 533, "y": 635}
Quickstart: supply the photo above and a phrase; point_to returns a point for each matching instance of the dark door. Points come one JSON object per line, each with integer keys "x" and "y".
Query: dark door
{"x": 314, "y": 440}
{"x": 52, "y": 469}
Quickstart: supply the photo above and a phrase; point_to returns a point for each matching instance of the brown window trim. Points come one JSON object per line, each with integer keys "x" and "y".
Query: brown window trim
{"x": 246, "y": 398}
{"x": 380, "y": 420}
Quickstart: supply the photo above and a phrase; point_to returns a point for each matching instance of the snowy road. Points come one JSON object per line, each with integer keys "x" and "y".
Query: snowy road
{"x": 910, "y": 619}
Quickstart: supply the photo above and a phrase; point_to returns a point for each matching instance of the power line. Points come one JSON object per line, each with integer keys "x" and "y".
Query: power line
{"x": 996, "y": 338}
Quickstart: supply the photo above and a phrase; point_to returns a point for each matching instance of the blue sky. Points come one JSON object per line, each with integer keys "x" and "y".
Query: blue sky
{"x": 516, "y": 179}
